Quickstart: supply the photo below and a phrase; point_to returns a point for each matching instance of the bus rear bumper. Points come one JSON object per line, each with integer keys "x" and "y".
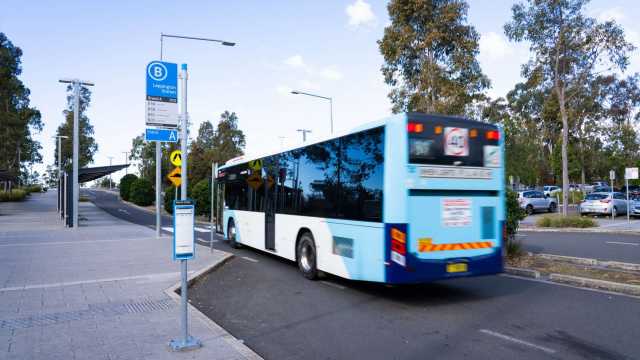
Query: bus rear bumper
{"x": 423, "y": 271}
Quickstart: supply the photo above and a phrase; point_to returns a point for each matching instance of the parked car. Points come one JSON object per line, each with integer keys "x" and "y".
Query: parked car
{"x": 603, "y": 203}
{"x": 634, "y": 209}
{"x": 602, "y": 189}
{"x": 532, "y": 201}
{"x": 600, "y": 183}
{"x": 633, "y": 190}
{"x": 550, "y": 190}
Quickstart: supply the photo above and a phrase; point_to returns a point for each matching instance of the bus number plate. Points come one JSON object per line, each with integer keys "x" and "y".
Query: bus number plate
{"x": 456, "y": 268}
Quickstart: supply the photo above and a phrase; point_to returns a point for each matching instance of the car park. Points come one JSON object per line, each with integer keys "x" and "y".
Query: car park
{"x": 605, "y": 203}
{"x": 535, "y": 201}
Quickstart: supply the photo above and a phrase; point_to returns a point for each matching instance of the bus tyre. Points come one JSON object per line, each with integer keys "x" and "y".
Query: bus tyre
{"x": 231, "y": 234}
{"x": 306, "y": 256}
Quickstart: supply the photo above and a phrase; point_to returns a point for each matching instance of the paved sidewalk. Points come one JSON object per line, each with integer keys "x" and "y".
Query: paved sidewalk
{"x": 96, "y": 292}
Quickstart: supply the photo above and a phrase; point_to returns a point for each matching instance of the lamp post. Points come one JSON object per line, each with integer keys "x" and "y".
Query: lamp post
{"x": 110, "y": 183}
{"x": 296, "y": 92}
{"x": 59, "y": 137}
{"x": 76, "y": 143}
{"x": 304, "y": 134}
{"x": 187, "y": 342}
{"x": 126, "y": 161}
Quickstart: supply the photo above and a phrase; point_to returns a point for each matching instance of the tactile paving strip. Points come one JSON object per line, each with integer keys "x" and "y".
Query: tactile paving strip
{"x": 103, "y": 310}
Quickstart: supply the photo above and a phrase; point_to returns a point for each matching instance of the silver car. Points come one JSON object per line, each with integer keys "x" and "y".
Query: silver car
{"x": 604, "y": 203}
{"x": 532, "y": 201}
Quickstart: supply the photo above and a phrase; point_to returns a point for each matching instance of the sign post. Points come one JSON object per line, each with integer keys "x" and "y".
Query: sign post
{"x": 612, "y": 176}
{"x": 214, "y": 186}
{"x": 629, "y": 173}
{"x": 183, "y": 250}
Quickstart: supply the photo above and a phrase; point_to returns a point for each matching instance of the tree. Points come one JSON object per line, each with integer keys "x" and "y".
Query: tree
{"x": 568, "y": 49}
{"x": 17, "y": 118}
{"x": 125, "y": 185}
{"x": 141, "y": 192}
{"x": 430, "y": 57}
{"x": 88, "y": 146}
{"x": 219, "y": 145}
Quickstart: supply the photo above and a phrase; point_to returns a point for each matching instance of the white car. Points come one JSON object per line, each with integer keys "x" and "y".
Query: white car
{"x": 605, "y": 203}
{"x": 550, "y": 190}
{"x": 532, "y": 201}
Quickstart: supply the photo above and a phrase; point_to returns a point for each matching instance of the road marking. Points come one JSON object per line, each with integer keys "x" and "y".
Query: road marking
{"x": 124, "y": 211}
{"x": 622, "y": 243}
{"x": 517, "y": 341}
{"x": 202, "y": 230}
{"x": 333, "y": 285}
{"x": 250, "y": 259}
{"x": 72, "y": 242}
{"x": 157, "y": 276}
{"x": 169, "y": 229}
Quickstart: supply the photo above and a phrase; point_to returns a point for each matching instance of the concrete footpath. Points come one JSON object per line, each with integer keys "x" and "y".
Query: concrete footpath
{"x": 96, "y": 292}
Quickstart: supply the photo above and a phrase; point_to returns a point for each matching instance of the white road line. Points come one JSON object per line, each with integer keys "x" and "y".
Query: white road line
{"x": 158, "y": 276}
{"x": 250, "y": 259}
{"x": 124, "y": 211}
{"x": 202, "y": 230}
{"x": 622, "y": 243}
{"x": 333, "y": 285}
{"x": 166, "y": 228}
{"x": 517, "y": 341}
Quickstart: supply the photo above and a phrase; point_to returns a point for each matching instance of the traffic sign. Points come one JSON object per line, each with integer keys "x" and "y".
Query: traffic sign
{"x": 612, "y": 174}
{"x": 175, "y": 177}
{"x": 164, "y": 135}
{"x": 255, "y": 164}
{"x": 176, "y": 158}
{"x": 254, "y": 180}
{"x": 162, "y": 94}
{"x": 631, "y": 173}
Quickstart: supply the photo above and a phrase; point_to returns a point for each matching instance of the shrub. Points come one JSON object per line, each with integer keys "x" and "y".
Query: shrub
{"x": 125, "y": 185}
{"x": 514, "y": 214}
{"x": 141, "y": 192}
{"x": 13, "y": 195}
{"x": 550, "y": 221}
{"x": 201, "y": 195}
{"x": 169, "y": 196}
{"x": 33, "y": 188}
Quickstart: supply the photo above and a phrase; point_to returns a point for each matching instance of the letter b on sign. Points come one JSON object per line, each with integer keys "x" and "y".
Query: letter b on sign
{"x": 157, "y": 71}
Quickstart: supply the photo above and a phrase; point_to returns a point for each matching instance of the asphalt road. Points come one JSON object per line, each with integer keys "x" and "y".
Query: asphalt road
{"x": 602, "y": 246}
{"x": 265, "y": 301}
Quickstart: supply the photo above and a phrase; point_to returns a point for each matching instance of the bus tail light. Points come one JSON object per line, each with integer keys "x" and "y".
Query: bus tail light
{"x": 492, "y": 135}
{"x": 398, "y": 246}
{"x": 415, "y": 127}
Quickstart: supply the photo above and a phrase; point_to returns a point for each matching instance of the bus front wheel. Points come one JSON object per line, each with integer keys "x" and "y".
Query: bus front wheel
{"x": 231, "y": 234}
{"x": 306, "y": 256}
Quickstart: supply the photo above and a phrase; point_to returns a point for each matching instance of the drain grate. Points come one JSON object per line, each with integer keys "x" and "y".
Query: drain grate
{"x": 103, "y": 310}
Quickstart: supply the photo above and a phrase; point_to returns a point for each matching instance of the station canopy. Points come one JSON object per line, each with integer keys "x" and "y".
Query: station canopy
{"x": 92, "y": 173}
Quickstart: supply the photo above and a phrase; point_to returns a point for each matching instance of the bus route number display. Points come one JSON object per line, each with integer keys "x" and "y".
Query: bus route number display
{"x": 456, "y": 212}
{"x": 456, "y": 141}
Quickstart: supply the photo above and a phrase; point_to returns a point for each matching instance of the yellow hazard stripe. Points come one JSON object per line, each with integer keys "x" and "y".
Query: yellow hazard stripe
{"x": 455, "y": 246}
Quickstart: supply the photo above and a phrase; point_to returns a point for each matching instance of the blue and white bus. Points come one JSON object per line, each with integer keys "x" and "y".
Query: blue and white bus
{"x": 409, "y": 199}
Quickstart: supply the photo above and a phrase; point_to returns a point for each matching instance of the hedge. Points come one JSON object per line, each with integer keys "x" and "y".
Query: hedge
{"x": 125, "y": 185}
{"x": 555, "y": 221}
{"x": 141, "y": 192}
{"x": 13, "y": 195}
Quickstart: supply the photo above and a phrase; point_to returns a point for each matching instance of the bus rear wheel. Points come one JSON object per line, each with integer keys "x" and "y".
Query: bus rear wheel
{"x": 231, "y": 234}
{"x": 306, "y": 256}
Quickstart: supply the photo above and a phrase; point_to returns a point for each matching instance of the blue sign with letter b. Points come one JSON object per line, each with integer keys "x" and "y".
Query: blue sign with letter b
{"x": 162, "y": 81}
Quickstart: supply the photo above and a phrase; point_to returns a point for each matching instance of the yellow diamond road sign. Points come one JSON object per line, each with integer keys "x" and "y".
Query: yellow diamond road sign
{"x": 176, "y": 158}
{"x": 175, "y": 177}
{"x": 255, "y": 165}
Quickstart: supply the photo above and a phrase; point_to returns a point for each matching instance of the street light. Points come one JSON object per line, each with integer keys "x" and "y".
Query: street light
{"x": 126, "y": 162}
{"x": 110, "y": 183}
{"x": 76, "y": 142}
{"x": 296, "y": 92}
{"x": 59, "y": 137}
{"x": 162, "y": 36}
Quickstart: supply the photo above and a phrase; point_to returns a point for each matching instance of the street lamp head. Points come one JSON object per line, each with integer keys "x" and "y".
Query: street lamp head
{"x": 295, "y": 92}
{"x": 228, "y": 43}
{"x": 60, "y": 136}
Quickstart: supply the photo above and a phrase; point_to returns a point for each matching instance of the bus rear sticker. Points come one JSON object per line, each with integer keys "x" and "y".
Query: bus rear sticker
{"x": 456, "y": 212}
{"x": 491, "y": 156}
{"x": 456, "y": 141}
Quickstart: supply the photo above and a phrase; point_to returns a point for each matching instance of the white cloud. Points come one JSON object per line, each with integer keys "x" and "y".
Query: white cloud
{"x": 331, "y": 73}
{"x": 494, "y": 46}
{"x": 616, "y": 14}
{"x": 360, "y": 13}
{"x": 295, "y": 61}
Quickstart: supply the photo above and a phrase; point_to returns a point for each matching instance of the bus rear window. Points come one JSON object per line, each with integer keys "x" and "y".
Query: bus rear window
{"x": 456, "y": 142}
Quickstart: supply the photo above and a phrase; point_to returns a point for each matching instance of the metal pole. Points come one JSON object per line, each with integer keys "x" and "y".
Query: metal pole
{"x": 331, "y": 110}
{"x": 110, "y": 178}
{"x": 76, "y": 151}
{"x": 183, "y": 141}
{"x": 613, "y": 216}
{"x": 158, "y": 156}
{"x": 126, "y": 162}
{"x": 214, "y": 171}
{"x": 626, "y": 183}
{"x": 59, "y": 173}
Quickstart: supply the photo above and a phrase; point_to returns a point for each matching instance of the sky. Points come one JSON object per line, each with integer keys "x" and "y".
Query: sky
{"x": 323, "y": 47}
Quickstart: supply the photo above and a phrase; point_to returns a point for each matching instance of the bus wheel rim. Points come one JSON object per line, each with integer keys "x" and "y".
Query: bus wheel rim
{"x": 305, "y": 257}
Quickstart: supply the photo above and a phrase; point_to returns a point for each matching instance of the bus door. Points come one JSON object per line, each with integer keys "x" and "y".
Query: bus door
{"x": 269, "y": 209}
